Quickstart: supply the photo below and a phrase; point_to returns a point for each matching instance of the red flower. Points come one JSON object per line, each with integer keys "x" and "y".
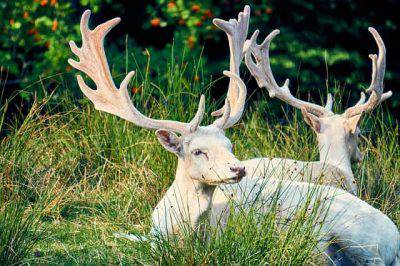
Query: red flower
{"x": 171, "y": 5}
{"x": 181, "y": 22}
{"x": 155, "y": 22}
{"x": 268, "y": 10}
{"x": 191, "y": 42}
{"x": 199, "y": 23}
{"x": 196, "y": 8}
{"x": 136, "y": 90}
{"x": 33, "y": 31}
{"x": 55, "y": 25}
{"x": 208, "y": 13}
{"x": 44, "y": 2}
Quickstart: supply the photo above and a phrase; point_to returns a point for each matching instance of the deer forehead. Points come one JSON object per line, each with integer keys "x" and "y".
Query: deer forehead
{"x": 333, "y": 124}
{"x": 207, "y": 138}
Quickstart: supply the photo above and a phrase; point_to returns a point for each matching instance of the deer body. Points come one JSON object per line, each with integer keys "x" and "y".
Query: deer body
{"x": 362, "y": 233}
{"x": 321, "y": 172}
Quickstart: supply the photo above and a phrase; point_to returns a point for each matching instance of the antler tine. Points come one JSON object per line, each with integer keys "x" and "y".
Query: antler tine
{"x": 107, "y": 97}
{"x": 223, "y": 120}
{"x": 260, "y": 69}
{"x": 236, "y": 31}
{"x": 235, "y": 111}
{"x": 376, "y": 87}
{"x": 329, "y": 103}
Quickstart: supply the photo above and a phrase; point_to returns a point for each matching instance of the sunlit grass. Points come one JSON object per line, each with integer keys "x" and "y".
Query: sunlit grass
{"x": 101, "y": 175}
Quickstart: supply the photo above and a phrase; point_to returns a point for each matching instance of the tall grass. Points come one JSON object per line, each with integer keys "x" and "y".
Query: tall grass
{"x": 104, "y": 175}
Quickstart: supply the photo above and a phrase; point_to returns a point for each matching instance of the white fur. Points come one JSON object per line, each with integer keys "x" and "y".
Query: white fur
{"x": 189, "y": 196}
{"x": 366, "y": 235}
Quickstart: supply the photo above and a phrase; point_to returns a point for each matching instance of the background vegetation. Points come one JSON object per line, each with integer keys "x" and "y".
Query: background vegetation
{"x": 321, "y": 42}
{"x": 70, "y": 176}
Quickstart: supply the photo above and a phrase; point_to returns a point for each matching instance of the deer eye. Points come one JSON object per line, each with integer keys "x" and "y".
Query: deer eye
{"x": 197, "y": 152}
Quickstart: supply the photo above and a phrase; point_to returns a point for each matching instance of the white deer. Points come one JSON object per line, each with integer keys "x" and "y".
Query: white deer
{"x": 277, "y": 168}
{"x": 355, "y": 232}
{"x": 337, "y": 134}
{"x": 204, "y": 154}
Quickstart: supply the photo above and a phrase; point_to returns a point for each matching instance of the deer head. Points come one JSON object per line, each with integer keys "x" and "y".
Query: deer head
{"x": 331, "y": 129}
{"x": 205, "y": 151}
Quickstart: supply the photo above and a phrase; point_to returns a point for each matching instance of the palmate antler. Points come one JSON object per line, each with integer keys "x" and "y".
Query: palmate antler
{"x": 376, "y": 87}
{"x": 108, "y": 98}
{"x": 261, "y": 70}
{"x": 236, "y": 31}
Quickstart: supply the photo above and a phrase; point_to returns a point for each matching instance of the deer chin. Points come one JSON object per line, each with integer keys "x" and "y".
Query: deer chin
{"x": 229, "y": 180}
{"x": 233, "y": 180}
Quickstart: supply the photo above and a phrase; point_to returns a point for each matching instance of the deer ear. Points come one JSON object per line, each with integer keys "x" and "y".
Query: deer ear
{"x": 312, "y": 120}
{"x": 351, "y": 123}
{"x": 169, "y": 140}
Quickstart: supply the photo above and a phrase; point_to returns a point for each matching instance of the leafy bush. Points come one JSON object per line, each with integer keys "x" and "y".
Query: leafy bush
{"x": 321, "y": 42}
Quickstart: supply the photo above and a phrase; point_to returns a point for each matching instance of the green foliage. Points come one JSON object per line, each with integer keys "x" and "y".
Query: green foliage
{"x": 34, "y": 37}
{"x": 321, "y": 42}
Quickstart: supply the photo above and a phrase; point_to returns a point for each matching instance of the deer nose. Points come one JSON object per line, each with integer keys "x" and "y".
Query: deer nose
{"x": 240, "y": 171}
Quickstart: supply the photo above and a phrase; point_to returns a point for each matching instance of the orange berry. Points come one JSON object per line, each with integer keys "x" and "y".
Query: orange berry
{"x": 25, "y": 15}
{"x": 208, "y": 13}
{"x": 171, "y": 5}
{"x": 53, "y": 2}
{"x": 44, "y": 2}
{"x": 196, "y": 8}
{"x": 181, "y": 22}
{"x": 155, "y": 22}
{"x": 68, "y": 68}
{"x": 199, "y": 23}
{"x": 55, "y": 25}
{"x": 268, "y": 10}
{"x": 190, "y": 42}
{"x": 136, "y": 90}
{"x": 33, "y": 31}
{"x": 12, "y": 21}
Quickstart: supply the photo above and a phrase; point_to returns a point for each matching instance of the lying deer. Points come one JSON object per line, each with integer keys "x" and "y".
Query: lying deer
{"x": 277, "y": 168}
{"x": 337, "y": 134}
{"x": 352, "y": 232}
{"x": 356, "y": 233}
{"x": 204, "y": 153}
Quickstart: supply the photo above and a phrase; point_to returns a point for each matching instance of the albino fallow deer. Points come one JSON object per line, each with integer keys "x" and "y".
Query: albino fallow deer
{"x": 337, "y": 134}
{"x": 277, "y": 168}
{"x": 204, "y": 154}
{"x": 354, "y": 231}
{"x": 349, "y": 230}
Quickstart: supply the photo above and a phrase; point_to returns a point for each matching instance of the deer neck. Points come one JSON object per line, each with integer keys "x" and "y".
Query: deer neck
{"x": 185, "y": 203}
{"x": 334, "y": 152}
